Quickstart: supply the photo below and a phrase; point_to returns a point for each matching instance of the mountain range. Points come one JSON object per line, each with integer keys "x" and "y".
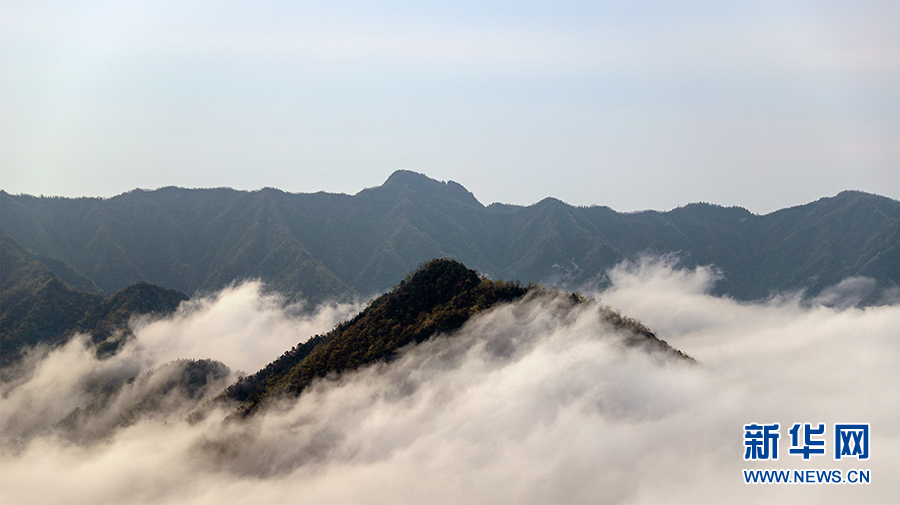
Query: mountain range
{"x": 323, "y": 246}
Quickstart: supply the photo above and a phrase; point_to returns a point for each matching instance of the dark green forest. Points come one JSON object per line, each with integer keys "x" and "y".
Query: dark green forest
{"x": 323, "y": 246}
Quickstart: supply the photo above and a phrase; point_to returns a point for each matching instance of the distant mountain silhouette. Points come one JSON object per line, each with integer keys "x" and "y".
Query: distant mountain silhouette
{"x": 320, "y": 246}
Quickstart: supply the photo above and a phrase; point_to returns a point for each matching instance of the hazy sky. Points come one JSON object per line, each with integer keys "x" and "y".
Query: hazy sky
{"x": 634, "y": 105}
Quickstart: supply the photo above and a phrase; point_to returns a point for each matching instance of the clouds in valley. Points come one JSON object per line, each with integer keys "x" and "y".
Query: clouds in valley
{"x": 533, "y": 402}
{"x": 241, "y": 326}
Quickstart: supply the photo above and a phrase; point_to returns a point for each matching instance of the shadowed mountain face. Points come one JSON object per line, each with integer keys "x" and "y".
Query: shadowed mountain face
{"x": 320, "y": 246}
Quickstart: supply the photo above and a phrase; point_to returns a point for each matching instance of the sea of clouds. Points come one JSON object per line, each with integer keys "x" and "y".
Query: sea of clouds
{"x": 532, "y": 402}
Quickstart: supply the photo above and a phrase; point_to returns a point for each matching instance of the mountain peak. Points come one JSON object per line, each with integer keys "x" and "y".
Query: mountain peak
{"x": 410, "y": 178}
{"x": 438, "y": 297}
{"x": 407, "y": 179}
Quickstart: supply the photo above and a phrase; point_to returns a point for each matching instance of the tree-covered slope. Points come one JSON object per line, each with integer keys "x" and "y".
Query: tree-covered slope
{"x": 438, "y": 297}
{"x": 320, "y": 246}
{"x": 37, "y": 307}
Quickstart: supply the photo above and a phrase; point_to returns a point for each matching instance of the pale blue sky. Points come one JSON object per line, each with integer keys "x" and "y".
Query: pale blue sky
{"x": 633, "y": 105}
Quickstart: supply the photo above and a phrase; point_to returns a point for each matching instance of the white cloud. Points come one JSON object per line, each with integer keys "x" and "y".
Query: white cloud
{"x": 530, "y": 403}
{"x": 240, "y": 326}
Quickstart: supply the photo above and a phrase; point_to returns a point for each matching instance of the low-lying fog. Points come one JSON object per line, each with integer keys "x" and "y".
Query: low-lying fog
{"x": 528, "y": 403}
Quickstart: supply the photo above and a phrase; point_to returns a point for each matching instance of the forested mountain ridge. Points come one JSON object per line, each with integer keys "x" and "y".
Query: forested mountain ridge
{"x": 319, "y": 246}
{"x": 439, "y": 297}
{"x": 37, "y": 307}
